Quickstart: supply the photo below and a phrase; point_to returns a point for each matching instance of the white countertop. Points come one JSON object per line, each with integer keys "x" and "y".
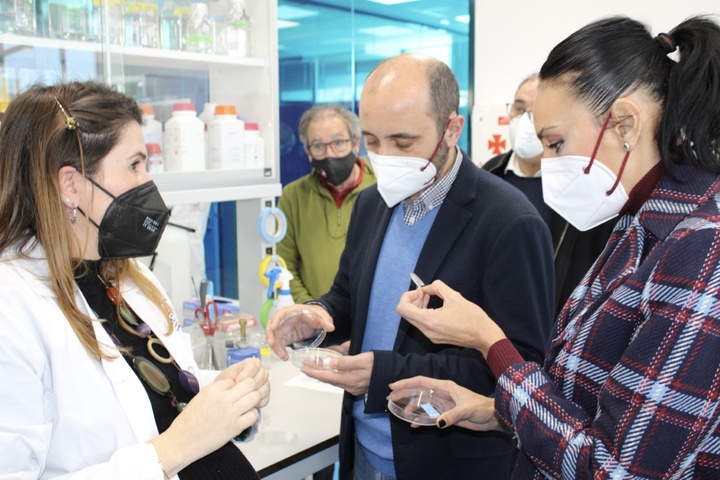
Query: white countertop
{"x": 300, "y": 430}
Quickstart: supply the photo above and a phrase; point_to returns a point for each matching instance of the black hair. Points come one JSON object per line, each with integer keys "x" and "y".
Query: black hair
{"x": 615, "y": 56}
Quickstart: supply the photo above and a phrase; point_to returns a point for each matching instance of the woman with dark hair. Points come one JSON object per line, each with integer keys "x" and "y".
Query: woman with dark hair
{"x": 97, "y": 379}
{"x": 631, "y": 383}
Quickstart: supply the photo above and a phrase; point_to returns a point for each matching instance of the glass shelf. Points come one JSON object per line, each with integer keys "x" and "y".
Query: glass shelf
{"x": 152, "y": 57}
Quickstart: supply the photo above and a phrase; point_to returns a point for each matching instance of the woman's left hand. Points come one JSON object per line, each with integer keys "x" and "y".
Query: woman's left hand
{"x": 471, "y": 410}
{"x": 250, "y": 368}
{"x": 458, "y": 322}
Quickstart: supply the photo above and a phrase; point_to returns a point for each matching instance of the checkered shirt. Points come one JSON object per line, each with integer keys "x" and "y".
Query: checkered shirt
{"x": 631, "y": 383}
{"x": 414, "y": 210}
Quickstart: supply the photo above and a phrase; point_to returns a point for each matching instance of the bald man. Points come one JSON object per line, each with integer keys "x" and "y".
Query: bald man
{"x": 432, "y": 212}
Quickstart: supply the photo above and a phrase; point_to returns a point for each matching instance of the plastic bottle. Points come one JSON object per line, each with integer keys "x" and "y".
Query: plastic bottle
{"x": 236, "y": 31}
{"x": 17, "y": 16}
{"x": 200, "y": 30}
{"x": 155, "y": 161}
{"x": 254, "y": 147}
{"x": 184, "y": 140}
{"x": 174, "y": 19}
{"x": 151, "y": 128}
{"x": 142, "y": 26}
{"x": 70, "y": 19}
{"x": 114, "y": 22}
{"x": 41, "y": 19}
{"x": 226, "y": 143}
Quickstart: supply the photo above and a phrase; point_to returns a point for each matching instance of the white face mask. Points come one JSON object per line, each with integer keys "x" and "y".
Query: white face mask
{"x": 401, "y": 177}
{"x": 582, "y": 190}
{"x": 523, "y": 139}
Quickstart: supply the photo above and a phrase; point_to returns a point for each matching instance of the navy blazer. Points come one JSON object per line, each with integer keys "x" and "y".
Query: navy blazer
{"x": 488, "y": 243}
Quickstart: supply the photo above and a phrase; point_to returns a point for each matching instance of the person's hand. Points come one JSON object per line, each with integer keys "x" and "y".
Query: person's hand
{"x": 281, "y": 334}
{"x": 458, "y": 322}
{"x": 343, "y": 348}
{"x": 351, "y": 373}
{"x": 250, "y": 368}
{"x": 218, "y": 413}
{"x": 472, "y": 411}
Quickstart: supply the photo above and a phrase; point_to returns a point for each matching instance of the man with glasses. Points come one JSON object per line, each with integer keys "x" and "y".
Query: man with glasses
{"x": 575, "y": 251}
{"x": 318, "y": 205}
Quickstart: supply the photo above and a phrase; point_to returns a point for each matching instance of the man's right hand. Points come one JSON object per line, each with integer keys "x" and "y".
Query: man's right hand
{"x": 280, "y": 334}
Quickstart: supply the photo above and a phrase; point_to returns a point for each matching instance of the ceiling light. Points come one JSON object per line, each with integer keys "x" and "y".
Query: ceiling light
{"x": 444, "y": 21}
{"x": 463, "y": 18}
{"x": 286, "y": 23}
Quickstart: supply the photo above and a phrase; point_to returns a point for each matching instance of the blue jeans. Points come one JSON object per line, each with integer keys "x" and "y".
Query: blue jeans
{"x": 363, "y": 469}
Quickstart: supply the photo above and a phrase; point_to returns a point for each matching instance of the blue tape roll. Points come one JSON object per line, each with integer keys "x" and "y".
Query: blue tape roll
{"x": 278, "y": 235}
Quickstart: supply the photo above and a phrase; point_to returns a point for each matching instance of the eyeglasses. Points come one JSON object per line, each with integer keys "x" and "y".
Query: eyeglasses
{"x": 516, "y": 109}
{"x": 338, "y": 146}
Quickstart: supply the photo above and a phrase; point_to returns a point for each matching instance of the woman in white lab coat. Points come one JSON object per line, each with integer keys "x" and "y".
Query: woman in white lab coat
{"x": 82, "y": 397}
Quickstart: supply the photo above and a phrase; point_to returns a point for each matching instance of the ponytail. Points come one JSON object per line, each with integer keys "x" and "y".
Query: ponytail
{"x": 690, "y": 126}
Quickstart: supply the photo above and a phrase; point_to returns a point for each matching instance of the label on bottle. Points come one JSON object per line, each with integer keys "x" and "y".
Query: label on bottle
{"x": 180, "y": 11}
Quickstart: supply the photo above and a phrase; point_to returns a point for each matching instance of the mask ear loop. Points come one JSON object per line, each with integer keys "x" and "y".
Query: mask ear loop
{"x": 586, "y": 171}
{"x": 438, "y": 146}
{"x": 622, "y": 169}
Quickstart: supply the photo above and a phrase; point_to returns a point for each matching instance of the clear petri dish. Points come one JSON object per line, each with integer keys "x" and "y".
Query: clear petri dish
{"x": 314, "y": 358}
{"x": 418, "y": 406}
{"x": 301, "y": 329}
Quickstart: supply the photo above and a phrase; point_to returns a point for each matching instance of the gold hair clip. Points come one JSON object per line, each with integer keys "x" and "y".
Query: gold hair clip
{"x": 70, "y": 123}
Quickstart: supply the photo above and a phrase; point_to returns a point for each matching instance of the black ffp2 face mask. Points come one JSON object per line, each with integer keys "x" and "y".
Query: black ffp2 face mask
{"x": 133, "y": 222}
{"x": 336, "y": 170}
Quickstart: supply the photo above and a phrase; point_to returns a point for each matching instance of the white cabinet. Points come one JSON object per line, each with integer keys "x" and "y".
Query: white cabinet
{"x": 250, "y": 83}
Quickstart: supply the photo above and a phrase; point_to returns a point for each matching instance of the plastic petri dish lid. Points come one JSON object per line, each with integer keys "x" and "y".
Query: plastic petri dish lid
{"x": 419, "y": 407}
{"x": 301, "y": 329}
{"x": 314, "y": 358}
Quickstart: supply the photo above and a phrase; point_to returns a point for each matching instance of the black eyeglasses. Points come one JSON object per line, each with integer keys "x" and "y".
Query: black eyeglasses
{"x": 338, "y": 146}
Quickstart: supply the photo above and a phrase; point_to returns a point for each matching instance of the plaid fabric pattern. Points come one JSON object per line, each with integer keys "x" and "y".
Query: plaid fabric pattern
{"x": 631, "y": 383}
{"x": 414, "y": 210}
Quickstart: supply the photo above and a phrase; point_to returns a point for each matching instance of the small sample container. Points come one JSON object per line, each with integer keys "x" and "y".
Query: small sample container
{"x": 301, "y": 329}
{"x": 155, "y": 158}
{"x": 314, "y": 358}
{"x": 418, "y": 406}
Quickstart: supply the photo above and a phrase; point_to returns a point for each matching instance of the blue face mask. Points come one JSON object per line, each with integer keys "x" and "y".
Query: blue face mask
{"x": 133, "y": 223}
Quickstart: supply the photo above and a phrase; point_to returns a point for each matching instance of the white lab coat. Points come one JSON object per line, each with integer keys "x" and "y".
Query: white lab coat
{"x": 63, "y": 414}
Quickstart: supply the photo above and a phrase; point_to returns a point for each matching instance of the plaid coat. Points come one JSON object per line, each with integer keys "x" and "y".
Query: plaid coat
{"x": 631, "y": 381}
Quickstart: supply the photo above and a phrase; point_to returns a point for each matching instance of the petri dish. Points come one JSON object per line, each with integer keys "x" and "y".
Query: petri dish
{"x": 314, "y": 358}
{"x": 419, "y": 407}
{"x": 301, "y": 329}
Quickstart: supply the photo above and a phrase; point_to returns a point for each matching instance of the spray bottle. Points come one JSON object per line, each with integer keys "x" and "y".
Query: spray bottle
{"x": 273, "y": 302}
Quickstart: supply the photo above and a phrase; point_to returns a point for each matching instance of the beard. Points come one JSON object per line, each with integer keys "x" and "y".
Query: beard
{"x": 440, "y": 160}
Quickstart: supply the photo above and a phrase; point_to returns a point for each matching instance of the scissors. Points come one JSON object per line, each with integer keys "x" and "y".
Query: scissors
{"x": 207, "y": 317}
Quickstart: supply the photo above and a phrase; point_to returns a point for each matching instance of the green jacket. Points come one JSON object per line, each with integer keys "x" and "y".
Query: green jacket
{"x": 316, "y": 233}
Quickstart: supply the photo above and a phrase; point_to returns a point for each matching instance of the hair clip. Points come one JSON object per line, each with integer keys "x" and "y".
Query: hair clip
{"x": 70, "y": 122}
